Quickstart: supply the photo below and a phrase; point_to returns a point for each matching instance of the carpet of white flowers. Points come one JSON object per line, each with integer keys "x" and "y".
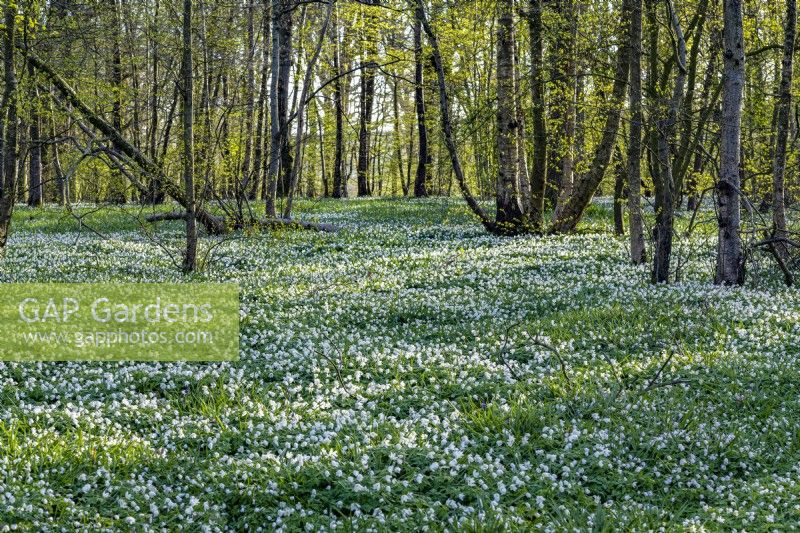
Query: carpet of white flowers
{"x": 411, "y": 372}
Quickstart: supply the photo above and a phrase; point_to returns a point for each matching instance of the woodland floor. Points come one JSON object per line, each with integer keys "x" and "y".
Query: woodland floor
{"x": 487, "y": 384}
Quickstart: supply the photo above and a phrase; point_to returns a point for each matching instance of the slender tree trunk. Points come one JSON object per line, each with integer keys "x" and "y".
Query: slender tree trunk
{"x": 187, "y": 82}
{"x": 708, "y": 108}
{"x": 326, "y": 189}
{"x": 539, "y": 170}
{"x": 509, "y": 212}
{"x": 398, "y": 136}
{"x": 250, "y": 101}
{"x": 8, "y": 130}
{"x": 366, "y": 101}
{"x": 619, "y": 192}
{"x": 279, "y": 99}
{"x": 730, "y": 266}
{"x": 568, "y": 76}
{"x": 256, "y": 173}
{"x": 116, "y": 192}
{"x": 424, "y": 157}
{"x": 62, "y": 185}
{"x": 783, "y": 105}
{"x": 285, "y": 69}
{"x": 684, "y": 151}
{"x": 22, "y": 154}
{"x": 156, "y": 193}
{"x": 338, "y": 104}
{"x": 274, "y": 162}
{"x": 664, "y": 184}
{"x": 523, "y": 176}
{"x": 691, "y": 182}
{"x": 635, "y": 141}
{"x": 35, "y": 188}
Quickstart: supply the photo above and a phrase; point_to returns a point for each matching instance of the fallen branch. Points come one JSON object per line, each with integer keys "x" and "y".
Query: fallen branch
{"x": 271, "y": 223}
{"x": 161, "y": 217}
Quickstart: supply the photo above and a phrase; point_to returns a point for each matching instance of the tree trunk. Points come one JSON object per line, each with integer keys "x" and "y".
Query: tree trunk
{"x": 539, "y": 170}
{"x": 398, "y": 139}
{"x": 326, "y": 189}
{"x": 783, "y": 107}
{"x": 730, "y": 265}
{"x": 367, "y": 98}
{"x": 8, "y": 130}
{"x": 567, "y": 80}
{"x": 691, "y": 182}
{"x": 509, "y": 212}
{"x": 35, "y": 189}
{"x": 187, "y": 82}
{"x": 155, "y": 194}
{"x": 685, "y": 149}
{"x": 424, "y": 157}
{"x": 255, "y": 175}
{"x": 619, "y": 192}
{"x": 116, "y": 189}
{"x": 62, "y": 185}
{"x": 664, "y": 184}
{"x": 635, "y": 142}
{"x": 338, "y": 159}
{"x": 523, "y": 176}
{"x": 250, "y": 102}
{"x": 279, "y": 100}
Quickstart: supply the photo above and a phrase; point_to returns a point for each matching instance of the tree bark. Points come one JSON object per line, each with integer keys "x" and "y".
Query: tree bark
{"x": 256, "y": 174}
{"x": 567, "y": 91}
{"x": 685, "y": 149}
{"x": 783, "y": 105}
{"x": 424, "y": 157}
{"x": 155, "y": 194}
{"x": 619, "y": 192}
{"x": 730, "y": 266}
{"x": 398, "y": 139}
{"x": 338, "y": 159}
{"x": 187, "y": 82}
{"x": 664, "y": 184}
{"x": 509, "y": 212}
{"x": 635, "y": 141}
{"x": 366, "y": 101}
{"x": 8, "y": 130}
{"x": 35, "y": 187}
{"x": 116, "y": 192}
{"x": 250, "y": 101}
{"x": 523, "y": 176}
{"x": 279, "y": 99}
{"x": 539, "y": 168}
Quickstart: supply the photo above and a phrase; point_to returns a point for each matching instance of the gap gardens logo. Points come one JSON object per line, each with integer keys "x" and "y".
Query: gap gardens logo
{"x": 120, "y": 322}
